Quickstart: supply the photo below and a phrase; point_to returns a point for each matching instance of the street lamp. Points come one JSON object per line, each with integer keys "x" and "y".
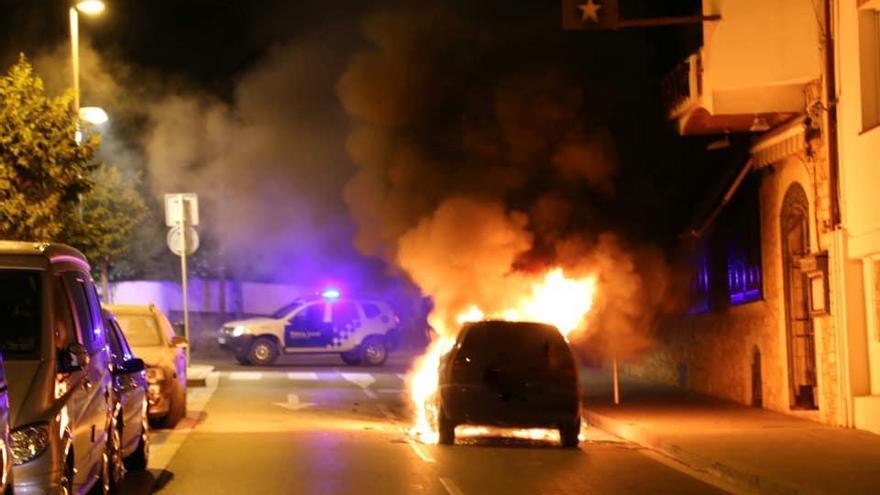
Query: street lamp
{"x": 93, "y": 115}
{"x": 88, "y": 7}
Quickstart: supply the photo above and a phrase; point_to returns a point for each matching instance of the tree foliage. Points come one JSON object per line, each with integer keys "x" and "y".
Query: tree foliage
{"x": 43, "y": 171}
{"x": 109, "y": 214}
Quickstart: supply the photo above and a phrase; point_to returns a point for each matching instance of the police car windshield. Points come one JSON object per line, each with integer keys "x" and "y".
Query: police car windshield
{"x": 285, "y": 310}
{"x": 21, "y": 314}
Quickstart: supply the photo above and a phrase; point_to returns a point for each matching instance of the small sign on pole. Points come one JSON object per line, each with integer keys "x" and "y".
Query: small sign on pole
{"x": 181, "y": 214}
{"x": 181, "y": 208}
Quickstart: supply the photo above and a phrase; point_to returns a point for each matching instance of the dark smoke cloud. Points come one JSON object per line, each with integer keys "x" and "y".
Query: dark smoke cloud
{"x": 477, "y": 168}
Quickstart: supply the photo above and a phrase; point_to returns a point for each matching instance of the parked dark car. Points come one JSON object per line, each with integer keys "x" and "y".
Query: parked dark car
{"x": 129, "y": 402}
{"x": 509, "y": 374}
{"x": 152, "y": 338}
{"x": 58, "y": 370}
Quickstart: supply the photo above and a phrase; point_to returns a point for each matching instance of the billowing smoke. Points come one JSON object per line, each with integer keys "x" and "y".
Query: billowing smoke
{"x": 268, "y": 165}
{"x": 478, "y": 170}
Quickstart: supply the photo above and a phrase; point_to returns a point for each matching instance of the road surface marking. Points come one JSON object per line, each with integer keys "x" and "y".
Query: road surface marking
{"x": 402, "y": 376}
{"x": 245, "y": 375}
{"x": 421, "y": 452}
{"x": 362, "y": 380}
{"x": 451, "y": 487}
{"x": 385, "y": 412}
{"x": 293, "y": 403}
{"x": 302, "y": 376}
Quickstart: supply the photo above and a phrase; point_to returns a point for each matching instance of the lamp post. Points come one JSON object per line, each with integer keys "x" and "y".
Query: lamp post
{"x": 88, "y": 7}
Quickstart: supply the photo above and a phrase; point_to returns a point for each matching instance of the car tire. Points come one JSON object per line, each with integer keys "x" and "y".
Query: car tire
{"x": 263, "y": 352}
{"x": 137, "y": 460}
{"x": 352, "y": 357}
{"x": 446, "y": 430}
{"x": 569, "y": 433}
{"x": 102, "y": 484}
{"x": 117, "y": 467}
{"x": 374, "y": 351}
{"x": 178, "y": 407}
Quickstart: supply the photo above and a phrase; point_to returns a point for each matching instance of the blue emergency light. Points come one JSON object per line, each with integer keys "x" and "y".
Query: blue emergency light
{"x": 330, "y": 294}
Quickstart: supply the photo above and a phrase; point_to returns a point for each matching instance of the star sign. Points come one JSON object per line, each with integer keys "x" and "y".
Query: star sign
{"x": 589, "y": 11}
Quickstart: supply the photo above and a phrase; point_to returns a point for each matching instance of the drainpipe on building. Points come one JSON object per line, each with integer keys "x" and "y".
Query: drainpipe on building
{"x": 831, "y": 99}
{"x": 838, "y": 259}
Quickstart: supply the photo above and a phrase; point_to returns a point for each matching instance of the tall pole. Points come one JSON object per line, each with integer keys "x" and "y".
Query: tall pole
{"x": 183, "y": 277}
{"x": 74, "y": 57}
{"x": 616, "y": 378}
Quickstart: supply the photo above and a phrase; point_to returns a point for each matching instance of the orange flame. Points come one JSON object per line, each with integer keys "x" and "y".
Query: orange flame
{"x": 554, "y": 299}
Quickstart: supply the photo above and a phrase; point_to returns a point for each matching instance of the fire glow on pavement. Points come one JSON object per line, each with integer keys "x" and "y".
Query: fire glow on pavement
{"x": 553, "y": 299}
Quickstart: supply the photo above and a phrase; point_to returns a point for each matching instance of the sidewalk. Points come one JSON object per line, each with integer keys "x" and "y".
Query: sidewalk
{"x": 757, "y": 450}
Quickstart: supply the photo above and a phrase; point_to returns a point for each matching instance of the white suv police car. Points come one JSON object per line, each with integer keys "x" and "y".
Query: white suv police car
{"x": 360, "y": 331}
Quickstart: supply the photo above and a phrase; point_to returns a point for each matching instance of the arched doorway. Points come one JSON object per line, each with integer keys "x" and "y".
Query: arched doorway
{"x": 798, "y": 323}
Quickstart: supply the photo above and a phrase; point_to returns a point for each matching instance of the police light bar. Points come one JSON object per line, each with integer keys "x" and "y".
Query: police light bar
{"x": 330, "y": 294}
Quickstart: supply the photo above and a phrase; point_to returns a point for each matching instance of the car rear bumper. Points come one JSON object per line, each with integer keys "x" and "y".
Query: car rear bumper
{"x": 483, "y": 406}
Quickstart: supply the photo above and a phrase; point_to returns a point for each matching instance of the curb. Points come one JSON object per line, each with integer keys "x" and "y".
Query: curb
{"x": 634, "y": 432}
{"x": 197, "y": 376}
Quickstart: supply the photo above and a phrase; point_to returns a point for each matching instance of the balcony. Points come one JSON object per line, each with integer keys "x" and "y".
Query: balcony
{"x": 752, "y": 72}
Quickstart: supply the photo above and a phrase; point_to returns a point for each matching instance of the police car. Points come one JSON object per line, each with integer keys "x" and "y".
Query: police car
{"x": 360, "y": 331}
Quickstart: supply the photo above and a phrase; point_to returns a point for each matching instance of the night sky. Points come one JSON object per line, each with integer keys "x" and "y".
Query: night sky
{"x": 210, "y": 47}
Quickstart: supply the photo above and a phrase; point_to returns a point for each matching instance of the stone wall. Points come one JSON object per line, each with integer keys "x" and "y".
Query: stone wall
{"x": 714, "y": 352}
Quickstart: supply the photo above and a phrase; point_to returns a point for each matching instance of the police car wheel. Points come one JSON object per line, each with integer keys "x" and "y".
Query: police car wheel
{"x": 263, "y": 352}
{"x": 373, "y": 351}
{"x": 351, "y": 358}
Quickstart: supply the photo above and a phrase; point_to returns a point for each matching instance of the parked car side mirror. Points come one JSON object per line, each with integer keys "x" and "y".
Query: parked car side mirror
{"x": 73, "y": 358}
{"x": 178, "y": 341}
{"x": 133, "y": 365}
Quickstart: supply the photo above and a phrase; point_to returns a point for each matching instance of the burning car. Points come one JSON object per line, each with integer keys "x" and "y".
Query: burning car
{"x": 509, "y": 374}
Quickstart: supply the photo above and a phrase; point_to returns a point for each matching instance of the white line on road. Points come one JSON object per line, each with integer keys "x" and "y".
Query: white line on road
{"x": 385, "y": 412}
{"x": 302, "y": 376}
{"x": 402, "y": 376}
{"x": 245, "y": 375}
{"x": 451, "y": 487}
{"x": 421, "y": 452}
{"x": 362, "y": 380}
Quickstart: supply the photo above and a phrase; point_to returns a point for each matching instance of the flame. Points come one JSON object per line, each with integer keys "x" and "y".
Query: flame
{"x": 554, "y": 299}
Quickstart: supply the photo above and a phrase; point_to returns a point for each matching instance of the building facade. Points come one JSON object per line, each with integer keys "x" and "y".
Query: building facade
{"x": 786, "y": 309}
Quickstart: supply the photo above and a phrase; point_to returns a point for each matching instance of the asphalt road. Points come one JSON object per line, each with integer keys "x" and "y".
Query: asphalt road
{"x": 328, "y": 429}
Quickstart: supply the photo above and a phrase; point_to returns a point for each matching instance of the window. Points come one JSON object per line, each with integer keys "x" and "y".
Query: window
{"x": 21, "y": 313}
{"x": 344, "y": 313}
{"x": 869, "y": 62}
{"x": 744, "y": 245}
{"x": 700, "y": 282}
{"x": 73, "y": 282}
{"x": 727, "y": 262}
{"x": 371, "y": 310}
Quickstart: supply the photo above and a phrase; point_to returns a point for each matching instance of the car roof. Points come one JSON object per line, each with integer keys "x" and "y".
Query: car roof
{"x": 519, "y": 325}
{"x": 132, "y": 309}
{"x": 54, "y": 252}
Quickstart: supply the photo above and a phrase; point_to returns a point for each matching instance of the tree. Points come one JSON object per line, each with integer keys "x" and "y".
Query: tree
{"x": 110, "y": 213}
{"x": 43, "y": 171}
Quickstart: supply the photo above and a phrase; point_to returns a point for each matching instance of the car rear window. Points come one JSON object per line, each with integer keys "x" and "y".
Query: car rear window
{"x": 21, "y": 312}
{"x": 371, "y": 310}
{"x": 140, "y": 330}
{"x": 516, "y": 344}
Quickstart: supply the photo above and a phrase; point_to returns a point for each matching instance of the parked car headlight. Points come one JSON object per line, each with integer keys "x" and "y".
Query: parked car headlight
{"x": 239, "y": 330}
{"x": 155, "y": 375}
{"x": 28, "y": 442}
